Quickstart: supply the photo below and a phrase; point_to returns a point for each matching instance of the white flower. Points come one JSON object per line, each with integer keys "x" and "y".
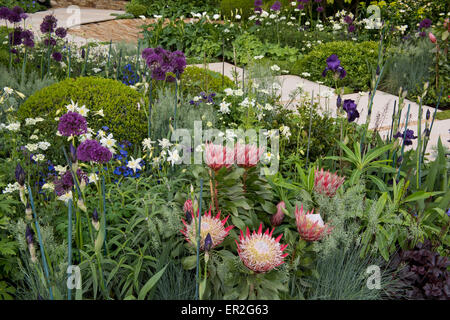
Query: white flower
{"x": 238, "y": 92}
{"x": 60, "y": 169}
{"x": 96, "y": 70}
{"x": 147, "y": 144}
{"x": 306, "y": 74}
{"x": 228, "y": 91}
{"x": 268, "y": 107}
{"x": 238, "y": 17}
{"x": 164, "y": 143}
{"x": 285, "y": 131}
{"x": 31, "y": 147}
{"x": 275, "y": 68}
{"x": 264, "y": 14}
{"x": 276, "y": 86}
{"x": 108, "y": 141}
{"x": 272, "y": 16}
{"x": 224, "y": 107}
{"x": 38, "y": 157}
{"x": 31, "y": 121}
{"x": 216, "y": 16}
{"x": 200, "y": 148}
{"x": 66, "y": 197}
{"x": 43, "y": 145}
{"x": 48, "y": 186}
{"x": 13, "y": 126}
{"x": 293, "y": 3}
{"x": 8, "y": 91}
{"x": 34, "y": 137}
{"x": 134, "y": 164}
{"x": 258, "y": 57}
{"x": 72, "y": 106}
{"x": 93, "y": 177}
{"x": 142, "y": 17}
{"x": 196, "y": 98}
{"x": 11, "y": 187}
{"x": 83, "y": 111}
{"x": 174, "y": 157}
{"x": 100, "y": 113}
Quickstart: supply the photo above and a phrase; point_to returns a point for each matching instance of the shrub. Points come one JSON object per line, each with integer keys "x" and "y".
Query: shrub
{"x": 243, "y": 7}
{"x": 197, "y": 79}
{"x": 136, "y": 8}
{"x": 119, "y": 104}
{"x": 357, "y": 58}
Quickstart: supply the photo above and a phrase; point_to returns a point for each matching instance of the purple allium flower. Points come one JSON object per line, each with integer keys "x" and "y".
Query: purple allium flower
{"x": 20, "y": 175}
{"x": 351, "y": 28}
{"x": 349, "y": 106}
{"x": 29, "y": 235}
{"x": 319, "y": 9}
{"x": 15, "y": 37}
{"x": 92, "y": 150}
{"x": 65, "y": 183}
{"x": 14, "y": 14}
{"x": 425, "y": 24}
{"x": 161, "y": 62}
{"x": 276, "y": 6}
{"x": 258, "y": 9}
{"x": 23, "y": 16}
{"x": 48, "y": 24}
{"x": 72, "y": 124}
{"x": 61, "y": 32}
{"x": 300, "y": 6}
{"x": 57, "y": 56}
{"x": 258, "y": 3}
{"x": 257, "y": 22}
{"x": 318, "y": 1}
{"x": 348, "y": 20}
{"x": 422, "y": 34}
{"x": 408, "y": 136}
{"x": 4, "y": 13}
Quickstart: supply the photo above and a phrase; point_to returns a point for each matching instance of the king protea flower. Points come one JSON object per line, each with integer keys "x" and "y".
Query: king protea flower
{"x": 210, "y": 225}
{"x": 310, "y": 225}
{"x": 247, "y": 155}
{"x": 278, "y": 217}
{"x": 218, "y": 156}
{"x": 260, "y": 252}
{"x": 188, "y": 207}
{"x": 327, "y": 183}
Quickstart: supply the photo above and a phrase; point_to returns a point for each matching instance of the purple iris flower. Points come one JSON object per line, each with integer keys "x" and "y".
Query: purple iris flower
{"x": 349, "y": 106}
{"x": 408, "y": 136}
{"x": 348, "y": 20}
{"x": 351, "y": 28}
{"x": 334, "y": 65}
{"x": 319, "y": 9}
{"x": 425, "y": 24}
{"x": 57, "y": 56}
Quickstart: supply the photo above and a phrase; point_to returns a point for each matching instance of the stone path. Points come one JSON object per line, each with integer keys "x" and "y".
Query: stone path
{"x": 98, "y": 24}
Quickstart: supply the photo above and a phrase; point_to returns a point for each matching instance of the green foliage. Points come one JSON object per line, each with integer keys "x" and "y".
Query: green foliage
{"x": 197, "y": 79}
{"x": 118, "y": 102}
{"x": 358, "y": 59}
{"x": 26, "y": 5}
{"x": 136, "y": 8}
{"x": 230, "y": 8}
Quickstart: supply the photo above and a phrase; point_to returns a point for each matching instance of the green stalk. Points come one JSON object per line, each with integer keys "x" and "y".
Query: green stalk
{"x": 403, "y": 142}
{"x": 69, "y": 244}
{"x": 41, "y": 244}
{"x": 419, "y": 145}
{"x": 198, "y": 241}
{"x": 309, "y": 131}
{"x": 150, "y": 107}
{"x": 24, "y": 65}
{"x": 432, "y": 122}
{"x": 118, "y": 66}
{"x": 70, "y": 63}
{"x": 83, "y": 71}
{"x": 109, "y": 57}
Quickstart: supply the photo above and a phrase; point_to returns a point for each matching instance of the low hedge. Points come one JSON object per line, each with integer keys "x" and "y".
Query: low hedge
{"x": 197, "y": 79}
{"x": 356, "y": 58}
{"x": 118, "y": 101}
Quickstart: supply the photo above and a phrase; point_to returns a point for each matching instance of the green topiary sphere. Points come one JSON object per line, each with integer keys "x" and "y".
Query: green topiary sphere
{"x": 119, "y": 104}
{"x": 197, "y": 79}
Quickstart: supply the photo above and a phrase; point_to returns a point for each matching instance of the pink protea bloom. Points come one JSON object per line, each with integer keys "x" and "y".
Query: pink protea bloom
{"x": 188, "y": 207}
{"x": 210, "y": 225}
{"x": 278, "y": 217}
{"x": 218, "y": 156}
{"x": 260, "y": 252}
{"x": 247, "y": 155}
{"x": 310, "y": 225}
{"x": 327, "y": 183}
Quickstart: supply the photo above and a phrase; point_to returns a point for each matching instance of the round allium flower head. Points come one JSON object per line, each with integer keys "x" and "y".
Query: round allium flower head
{"x": 247, "y": 155}
{"x": 48, "y": 24}
{"x": 258, "y": 3}
{"x": 61, "y": 32}
{"x": 351, "y": 28}
{"x": 278, "y": 217}
{"x": 327, "y": 183}
{"x": 425, "y": 23}
{"x": 57, "y": 56}
{"x": 319, "y": 9}
{"x": 210, "y": 225}
{"x": 276, "y": 6}
{"x": 4, "y": 13}
{"x": 310, "y": 225}
{"x": 72, "y": 124}
{"x": 260, "y": 252}
{"x": 218, "y": 156}
{"x": 92, "y": 150}
{"x": 15, "y": 14}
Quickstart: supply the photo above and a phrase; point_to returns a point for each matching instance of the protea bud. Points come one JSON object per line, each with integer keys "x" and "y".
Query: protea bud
{"x": 188, "y": 207}
{"x": 28, "y": 212}
{"x": 95, "y": 222}
{"x": 20, "y": 175}
{"x": 278, "y": 217}
{"x": 432, "y": 37}
{"x": 29, "y": 237}
{"x": 310, "y": 226}
{"x": 327, "y": 183}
